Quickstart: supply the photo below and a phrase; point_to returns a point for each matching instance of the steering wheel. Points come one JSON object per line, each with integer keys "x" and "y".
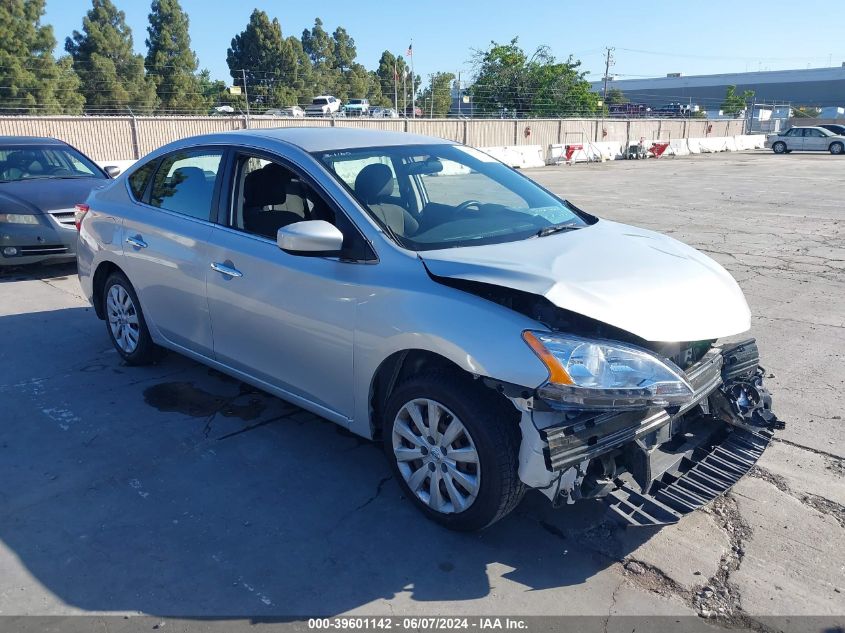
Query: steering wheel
{"x": 464, "y": 206}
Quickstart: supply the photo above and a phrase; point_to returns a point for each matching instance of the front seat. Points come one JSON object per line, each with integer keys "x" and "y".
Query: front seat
{"x": 374, "y": 186}
{"x": 269, "y": 202}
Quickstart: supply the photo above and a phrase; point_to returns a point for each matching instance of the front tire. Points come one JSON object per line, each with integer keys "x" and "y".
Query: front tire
{"x": 779, "y": 147}
{"x": 125, "y": 322}
{"x": 454, "y": 448}
{"x": 837, "y": 148}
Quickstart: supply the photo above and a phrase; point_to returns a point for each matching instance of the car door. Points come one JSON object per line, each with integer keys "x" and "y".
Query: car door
{"x": 166, "y": 246}
{"x": 286, "y": 320}
{"x": 794, "y": 139}
{"x": 814, "y": 139}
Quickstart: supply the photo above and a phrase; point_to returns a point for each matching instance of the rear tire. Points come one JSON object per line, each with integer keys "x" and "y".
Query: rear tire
{"x": 466, "y": 493}
{"x": 837, "y": 148}
{"x": 779, "y": 147}
{"x": 125, "y": 322}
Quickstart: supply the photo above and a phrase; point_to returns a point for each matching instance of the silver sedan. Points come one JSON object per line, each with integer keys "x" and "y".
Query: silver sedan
{"x": 491, "y": 335}
{"x": 807, "y": 139}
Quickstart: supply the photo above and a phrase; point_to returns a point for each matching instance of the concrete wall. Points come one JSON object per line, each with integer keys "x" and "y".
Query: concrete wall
{"x": 127, "y": 138}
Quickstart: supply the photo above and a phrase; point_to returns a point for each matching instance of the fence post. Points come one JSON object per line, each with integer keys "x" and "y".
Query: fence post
{"x": 465, "y": 131}
{"x": 515, "y": 131}
{"x": 133, "y": 126}
{"x": 659, "y": 128}
{"x": 559, "y": 131}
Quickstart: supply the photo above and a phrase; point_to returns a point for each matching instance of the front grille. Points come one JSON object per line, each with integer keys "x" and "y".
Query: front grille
{"x": 57, "y": 249}
{"x": 65, "y": 218}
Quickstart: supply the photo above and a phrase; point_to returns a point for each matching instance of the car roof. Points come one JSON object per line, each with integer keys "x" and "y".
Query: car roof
{"x": 322, "y": 139}
{"x": 14, "y": 141}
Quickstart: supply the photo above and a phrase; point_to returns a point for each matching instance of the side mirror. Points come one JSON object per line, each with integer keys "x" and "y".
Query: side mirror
{"x": 113, "y": 171}
{"x": 310, "y": 237}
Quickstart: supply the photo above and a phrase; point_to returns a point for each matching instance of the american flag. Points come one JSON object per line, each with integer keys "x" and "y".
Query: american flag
{"x": 410, "y": 52}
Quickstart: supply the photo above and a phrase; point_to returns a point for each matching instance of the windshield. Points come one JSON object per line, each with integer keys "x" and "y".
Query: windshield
{"x": 443, "y": 196}
{"x": 31, "y": 162}
{"x": 355, "y": 102}
{"x": 320, "y": 102}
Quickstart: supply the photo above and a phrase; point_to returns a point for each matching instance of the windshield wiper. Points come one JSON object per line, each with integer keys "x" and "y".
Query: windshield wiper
{"x": 556, "y": 228}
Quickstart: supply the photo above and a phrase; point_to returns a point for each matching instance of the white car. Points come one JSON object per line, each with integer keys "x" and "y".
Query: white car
{"x": 324, "y": 105}
{"x": 357, "y": 107}
{"x": 291, "y": 111}
{"x": 384, "y": 113}
{"x": 808, "y": 139}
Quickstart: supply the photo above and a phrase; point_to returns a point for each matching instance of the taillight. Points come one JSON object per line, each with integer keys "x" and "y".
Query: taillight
{"x": 81, "y": 210}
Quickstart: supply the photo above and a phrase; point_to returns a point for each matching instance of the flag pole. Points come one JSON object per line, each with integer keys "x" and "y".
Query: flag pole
{"x": 395, "y": 86}
{"x": 413, "y": 83}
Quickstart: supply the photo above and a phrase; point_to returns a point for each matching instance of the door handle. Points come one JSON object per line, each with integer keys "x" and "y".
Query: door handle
{"x": 226, "y": 270}
{"x": 137, "y": 242}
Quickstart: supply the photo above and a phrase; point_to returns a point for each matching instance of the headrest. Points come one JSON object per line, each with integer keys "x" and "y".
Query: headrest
{"x": 266, "y": 186}
{"x": 373, "y": 182}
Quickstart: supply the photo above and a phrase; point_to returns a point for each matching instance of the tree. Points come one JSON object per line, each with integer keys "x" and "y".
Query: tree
{"x": 615, "y": 97}
{"x": 805, "y": 112}
{"x": 267, "y": 62}
{"x": 436, "y": 98}
{"x": 735, "y": 104}
{"x": 510, "y": 83}
{"x": 112, "y": 74}
{"x": 31, "y": 81}
{"x": 170, "y": 61}
{"x": 317, "y": 44}
{"x": 343, "y": 49}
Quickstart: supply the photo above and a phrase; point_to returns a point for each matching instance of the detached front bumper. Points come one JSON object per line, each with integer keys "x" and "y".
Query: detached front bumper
{"x": 653, "y": 467}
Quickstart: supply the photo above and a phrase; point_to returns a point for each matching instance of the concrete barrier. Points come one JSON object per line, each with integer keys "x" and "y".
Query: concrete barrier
{"x": 521, "y": 156}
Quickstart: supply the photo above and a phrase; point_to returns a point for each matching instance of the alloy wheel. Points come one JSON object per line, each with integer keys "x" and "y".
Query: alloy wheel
{"x": 123, "y": 319}
{"x": 436, "y": 456}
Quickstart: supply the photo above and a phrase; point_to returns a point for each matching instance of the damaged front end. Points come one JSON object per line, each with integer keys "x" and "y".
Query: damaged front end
{"x": 652, "y": 465}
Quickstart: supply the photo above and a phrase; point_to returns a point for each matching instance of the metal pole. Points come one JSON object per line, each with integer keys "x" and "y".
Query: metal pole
{"x": 432, "y": 95}
{"x": 395, "y": 86}
{"x": 608, "y": 58}
{"x": 460, "y": 94}
{"x": 405, "y": 91}
{"x": 413, "y": 84}
{"x": 246, "y": 95}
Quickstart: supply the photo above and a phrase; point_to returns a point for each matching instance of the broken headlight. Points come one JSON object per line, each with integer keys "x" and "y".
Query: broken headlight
{"x": 594, "y": 374}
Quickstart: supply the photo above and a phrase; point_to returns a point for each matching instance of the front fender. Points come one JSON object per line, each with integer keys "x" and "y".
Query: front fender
{"x": 480, "y": 336}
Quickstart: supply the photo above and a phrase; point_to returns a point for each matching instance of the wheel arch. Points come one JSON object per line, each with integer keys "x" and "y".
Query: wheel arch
{"x": 101, "y": 274}
{"x": 397, "y": 368}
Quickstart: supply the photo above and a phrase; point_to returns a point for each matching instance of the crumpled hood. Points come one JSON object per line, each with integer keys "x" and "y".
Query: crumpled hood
{"x": 640, "y": 281}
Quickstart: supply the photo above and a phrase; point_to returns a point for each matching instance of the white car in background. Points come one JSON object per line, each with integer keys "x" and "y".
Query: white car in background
{"x": 324, "y": 105}
{"x": 808, "y": 139}
{"x": 291, "y": 111}
{"x": 384, "y": 113}
{"x": 357, "y": 107}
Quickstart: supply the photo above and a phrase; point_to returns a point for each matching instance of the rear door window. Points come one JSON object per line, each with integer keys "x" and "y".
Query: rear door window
{"x": 185, "y": 181}
{"x": 139, "y": 178}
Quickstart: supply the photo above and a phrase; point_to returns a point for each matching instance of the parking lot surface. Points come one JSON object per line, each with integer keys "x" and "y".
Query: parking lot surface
{"x": 174, "y": 490}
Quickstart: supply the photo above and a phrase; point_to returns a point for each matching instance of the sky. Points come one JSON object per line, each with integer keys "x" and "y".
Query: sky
{"x": 651, "y": 37}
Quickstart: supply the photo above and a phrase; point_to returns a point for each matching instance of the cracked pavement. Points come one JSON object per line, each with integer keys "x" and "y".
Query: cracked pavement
{"x": 173, "y": 489}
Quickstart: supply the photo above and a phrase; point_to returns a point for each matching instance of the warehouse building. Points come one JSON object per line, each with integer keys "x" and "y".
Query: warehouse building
{"x": 818, "y": 87}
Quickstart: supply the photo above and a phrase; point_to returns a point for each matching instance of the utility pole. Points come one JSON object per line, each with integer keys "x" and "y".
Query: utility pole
{"x": 246, "y": 95}
{"x": 432, "y": 95}
{"x": 608, "y": 62}
{"x": 395, "y": 87}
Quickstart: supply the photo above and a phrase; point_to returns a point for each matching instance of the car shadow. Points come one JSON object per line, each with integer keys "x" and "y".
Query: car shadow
{"x": 37, "y": 271}
{"x": 175, "y": 490}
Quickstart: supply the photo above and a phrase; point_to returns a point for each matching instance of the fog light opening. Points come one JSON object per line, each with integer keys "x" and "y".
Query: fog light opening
{"x": 10, "y": 251}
